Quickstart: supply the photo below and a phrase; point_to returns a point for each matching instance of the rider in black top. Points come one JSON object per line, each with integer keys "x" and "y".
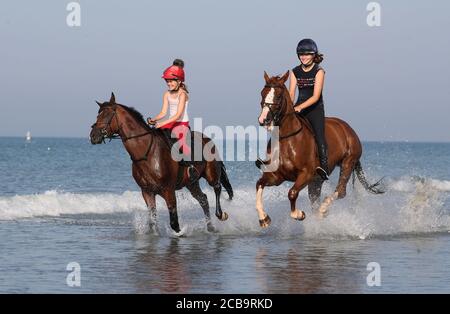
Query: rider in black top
{"x": 309, "y": 78}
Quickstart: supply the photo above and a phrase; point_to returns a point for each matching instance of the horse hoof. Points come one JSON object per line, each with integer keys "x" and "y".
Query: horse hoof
{"x": 224, "y": 216}
{"x": 323, "y": 213}
{"x": 264, "y": 223}
{"x": 181, "y": 233}
{"x": 154, "y": 230}
{"x": 210, "y": 227}
{"x": 302, "y": 217}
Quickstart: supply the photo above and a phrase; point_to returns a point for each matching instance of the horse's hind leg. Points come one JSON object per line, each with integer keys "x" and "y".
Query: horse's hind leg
{"x": 212, "y": 175}
{"x": 171, "y": 201}
{"x": 201, "y": 197}
{"x": 314, "y": 191}
{"x": 149, "y": 198}
{"x": 347, "y": 166}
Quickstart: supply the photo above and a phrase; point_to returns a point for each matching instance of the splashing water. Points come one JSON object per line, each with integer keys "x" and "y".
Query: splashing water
{"x": 411, "y": 205}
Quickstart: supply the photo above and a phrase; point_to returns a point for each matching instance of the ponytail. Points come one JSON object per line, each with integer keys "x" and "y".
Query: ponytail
{"x": 180, "y": 63}
{"x": 184, "y": 86}
{"x": 318, "y": 58}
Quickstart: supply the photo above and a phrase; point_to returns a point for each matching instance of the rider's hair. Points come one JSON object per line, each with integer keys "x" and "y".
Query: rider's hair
{"x": 180, "y": 63}
{"x": 318, "y": 58}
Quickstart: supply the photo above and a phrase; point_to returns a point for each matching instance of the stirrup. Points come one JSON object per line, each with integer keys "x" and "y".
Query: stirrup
{"x": 322, "y": 173}
{"x": 258, "y": 163}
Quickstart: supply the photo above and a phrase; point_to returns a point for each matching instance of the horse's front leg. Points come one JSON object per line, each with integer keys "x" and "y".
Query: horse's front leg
{"x": 264, "y": 219}
{"x": 169, "y": 196}
{"x": 149, "y": 198}
{"x": 299, "y": 184}
{"x": 221, "y": 215}
{"x": 347, "y": 167}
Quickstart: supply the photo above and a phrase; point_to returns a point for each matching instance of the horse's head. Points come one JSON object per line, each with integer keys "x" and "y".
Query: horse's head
{"x": 273, "y": 103}
{"x": 106, "y": 125}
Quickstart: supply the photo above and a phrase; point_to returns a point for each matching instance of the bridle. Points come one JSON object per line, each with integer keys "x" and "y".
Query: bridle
{"x": 276, "y": 117}
{"x": 104, "y": 132}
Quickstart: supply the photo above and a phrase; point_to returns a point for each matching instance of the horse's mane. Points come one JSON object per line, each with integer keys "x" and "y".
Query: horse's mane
{"x": 305, "y": 122}
{"x": 137, "y": 116}
{"x": 302, "y": 119}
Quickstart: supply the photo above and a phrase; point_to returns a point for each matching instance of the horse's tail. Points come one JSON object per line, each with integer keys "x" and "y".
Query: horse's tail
{"x": 225, "y": 181}
{"x": 374, "y": 188}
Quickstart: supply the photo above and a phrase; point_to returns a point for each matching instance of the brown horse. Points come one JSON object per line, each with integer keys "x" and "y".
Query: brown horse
{"x": 295, "y": 155}
{"x": 154, "y": 169}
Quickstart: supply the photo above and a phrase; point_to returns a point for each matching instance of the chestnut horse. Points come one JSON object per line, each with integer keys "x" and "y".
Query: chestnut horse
{"x": 154, "y": 169}
{"x": 295, "y": 156}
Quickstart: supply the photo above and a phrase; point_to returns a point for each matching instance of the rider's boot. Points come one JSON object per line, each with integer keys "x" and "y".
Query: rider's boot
{"x": 323, "y": 171}
{"x": 193, "y": 173}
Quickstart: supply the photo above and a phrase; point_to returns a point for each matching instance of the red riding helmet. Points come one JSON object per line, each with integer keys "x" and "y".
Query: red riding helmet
{"x": 174, "y": 72}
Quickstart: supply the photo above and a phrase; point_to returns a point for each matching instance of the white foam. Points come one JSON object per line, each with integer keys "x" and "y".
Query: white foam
{"x": 441, "y": 185}
{"x": 409, "y": 184}
{"x": 410, "y": 205}
{"x": 53, "y": 203}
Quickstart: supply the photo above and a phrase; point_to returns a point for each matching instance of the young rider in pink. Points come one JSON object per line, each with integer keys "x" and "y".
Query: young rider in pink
{"x": 175, "y": 100}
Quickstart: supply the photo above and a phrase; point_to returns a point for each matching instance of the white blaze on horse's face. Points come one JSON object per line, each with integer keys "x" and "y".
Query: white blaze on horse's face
{"x": 268, "y": 100}
{"x": 270, "y": 96}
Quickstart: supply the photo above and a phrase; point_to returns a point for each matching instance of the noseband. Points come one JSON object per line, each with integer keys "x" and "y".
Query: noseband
{"x": 124, "y": 138}
{"x": 107, "y": 124}
{"x": 276, "y": 117}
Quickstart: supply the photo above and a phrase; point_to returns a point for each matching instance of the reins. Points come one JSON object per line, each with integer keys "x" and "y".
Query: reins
{"x": 124, "y": 138}
{"x": 277, "y": 118}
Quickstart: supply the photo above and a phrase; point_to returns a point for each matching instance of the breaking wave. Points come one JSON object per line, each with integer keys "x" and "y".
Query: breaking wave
{"x": 410, "y": 205}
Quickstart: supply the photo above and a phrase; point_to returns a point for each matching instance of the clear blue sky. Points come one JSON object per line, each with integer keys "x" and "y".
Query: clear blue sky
{"x": 390, "y": 82}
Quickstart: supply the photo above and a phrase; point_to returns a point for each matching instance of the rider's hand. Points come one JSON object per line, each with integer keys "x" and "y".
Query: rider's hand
{"x": 150, "y": 121}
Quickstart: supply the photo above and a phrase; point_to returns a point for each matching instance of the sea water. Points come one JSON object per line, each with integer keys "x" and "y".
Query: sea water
{"x": 63, "y": 200}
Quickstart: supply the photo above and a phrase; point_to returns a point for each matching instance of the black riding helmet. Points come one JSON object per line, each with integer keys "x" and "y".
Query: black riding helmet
{"x": 307, "y": 46}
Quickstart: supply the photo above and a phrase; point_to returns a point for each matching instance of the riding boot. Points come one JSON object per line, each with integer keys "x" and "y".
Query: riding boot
{"x": 193, "y": 173}
{"x": 323, "y": 171}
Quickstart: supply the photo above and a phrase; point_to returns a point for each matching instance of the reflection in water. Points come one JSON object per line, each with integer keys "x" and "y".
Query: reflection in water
{"x": 291, "y": 276}
{"x": 160, "y": 267}
{"x": 302, "y": 268}
{"x": 117, "y": 260}
{"x": 179, "y": 265}
{"x": 220, "y": 264}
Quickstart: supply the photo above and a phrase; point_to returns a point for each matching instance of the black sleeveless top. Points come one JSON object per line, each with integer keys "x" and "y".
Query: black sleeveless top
{"x": 305, "y": 83}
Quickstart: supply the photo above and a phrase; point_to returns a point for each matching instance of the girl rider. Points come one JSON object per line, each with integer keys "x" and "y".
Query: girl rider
{"x": 309, "y": 77}
{"x": 176, "y": 99}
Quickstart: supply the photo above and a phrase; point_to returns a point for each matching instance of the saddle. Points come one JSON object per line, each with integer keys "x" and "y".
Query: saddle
{"x": 308, "y": 125}
{"x": 170, "y": 141}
